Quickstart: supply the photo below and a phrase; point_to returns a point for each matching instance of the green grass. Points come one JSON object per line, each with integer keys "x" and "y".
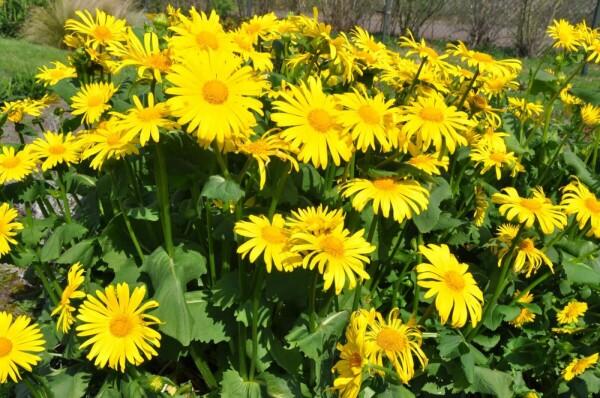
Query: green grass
{"x": 20, "y": 56}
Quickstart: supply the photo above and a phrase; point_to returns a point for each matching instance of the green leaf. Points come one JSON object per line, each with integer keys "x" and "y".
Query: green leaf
{"x": 60, "y": 237}
{"x": 467, "y": 363}
{"x": 143, "y": 213}
{"x": 207, "y": 327}
{"x": 233, "y": 386}
{"x": 501, "y": 313}
{"x": 396, "y": 391}
{"x": 580, "y": 273}
{"x": 32, "y": 234}
{"x": 169, "y": 278}
{"x": 227, "y": 290}
{"x": 218, "y": 187}
{"x": 82, "y": 252}
{"x": 487, "y": 342}
{"x": 448, "y": 345}
{"x": 427, "y": 220}
{"x": 589, "y": 96}
{"x": 488, "y": 381}
{"x": 543, "y": 83}
{"x": 276, "y": 386}
{"x": 66, "y": 385}
{"x": 581, "y": 170}
{"x": 312, "y": 344}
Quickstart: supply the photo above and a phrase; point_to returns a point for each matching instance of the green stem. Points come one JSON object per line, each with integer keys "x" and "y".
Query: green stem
{"x": 162, "y": 190}
{"x": 277, "y": 195}
{"x": 57, "y": 288}
{"x": 44, "y": 279}
{"x": 461, "y": 102}
{"x": 594, "y": 151}
{"x": 530, "y": 85}
{"x": 552, "y": 160}
{"x": 211, "y": 244}
{"x": 312, "y": 323}
{"x": 531, "y": 286}
{"x": 35, "y": 391}
{"x": 388, "y": 372}
{"x": 242, "y": 174}
{"x": 255, "y": 306}
{"x": 358, "y": 288}
{"x": 221, "y": 161}
{"x": 204, "y": 370}
{"x": 63, "y": 195}
{"x": 417, "y": 287}
{"x": 123, "y": 211}
{"x": 427, "y": 313}
{"x": 409, "y": 92}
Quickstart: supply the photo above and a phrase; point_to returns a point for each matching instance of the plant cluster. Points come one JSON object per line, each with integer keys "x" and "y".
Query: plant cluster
{"x": 276, "y": 210}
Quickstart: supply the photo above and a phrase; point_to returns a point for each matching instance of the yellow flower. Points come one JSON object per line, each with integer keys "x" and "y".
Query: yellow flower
{"x": 485, "y": 62}
{"x": 566, "y": 35}
{"x": 395, "y": 340}
{"x": 75, "y": 279}
{"x": 338, "y": 254}
{"x": 214, "y": 95}
{"x": 244, "y": 46}
{"x": 430, "y": 163}
{"x": 353, "y": 358}
{"x": 200, "y": 33}
{"x": 481, "y": 205}
{"x": 578, "y": 366}
{"x": 524, "y": 110}
{"x": 309, "y": 119}
{"x": 525, "y": 253}
{"x": 261, "y": 26}
{"x": 571, "y": 312}
{"x": 496, "y": 157}
{"x": 145, "y": 120}
{"x": 18, "y": 342}
{"x": 497, "y": 85}
{"x": 531, "y": 394}
{"x": 52, "y": 76}
{"x": 92, "y": 100}
{"x": 528, "y": 210}
{"x": 17, "y": 110}
{"x": 262, "y": 149}
{"x": 425, "y": 52}
{"x": 403, "y": 197}
{"x": 433, "y": 122}
{"x": 55, "y": 148}
{"x": 455, "y": 289}
{"x": 146, "y": 57}
{"x": 525, "y": 315}
{"x": 118, "y": 329}
{"x": 8, "y": 227}
{"x": 315, "y": 220}
{"x": 590, "y": 115}
{"x": 365, "y": 117}
{"x": 593, "y": 49}
{"x": 577, "y": 199}
{"x": 107, "y": 141}
{"x": 15, "y": 166}
{"x": 100, "y": 31}
{"x": 270, "y": 239}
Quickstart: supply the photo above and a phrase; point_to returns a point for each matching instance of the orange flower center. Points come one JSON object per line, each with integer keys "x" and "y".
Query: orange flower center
{"x": 593, "y": 205}
{"x": 454, "y": 281}
{"x": 215, "y": 92}
{"x": 158, "y": 62}
{"x": 495, "y": 84}
{"x": 11, "y": 162}
{"x": 531, "y": 204}
{"x": 5, "y": 346}
{"x": 273, "y": 235}
{"x": 391, "y": 340}
{"x": 332, "y": 246}
{"x": 526, "y": 245}
{"x": 320, "y": 120}
{"x": 258, "y": 147}
{"x": 368, "y": 114}
{"x": 429, "y": 51}
{"x": 148, "y": 115}
{"x": 121, "y": 326}
{"x": 57, "y": 149}
{"x": 102, "y": 33}
{"x": 573, "y": 310}
{"x": 431, "y": 114}
{"x": 384, "y": 184}
{"x": 497, "y": 157}
{"x": 95, "y": 100}
{"x": 482, "y": 57}
{"x": 114, "y": 140}
{"x": 206, "y": 40}
{"x": 355, "y": 360}
{"x": 253, "y": 28}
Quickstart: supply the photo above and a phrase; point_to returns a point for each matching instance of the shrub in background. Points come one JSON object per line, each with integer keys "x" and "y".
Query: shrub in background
{"x": 13, "y": 14}
{"x": 21, "y": 85}
{"x": 45, "y": 25}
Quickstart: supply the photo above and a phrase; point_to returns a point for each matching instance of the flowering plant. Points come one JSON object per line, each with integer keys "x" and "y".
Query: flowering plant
{"x": 278, "y": 210}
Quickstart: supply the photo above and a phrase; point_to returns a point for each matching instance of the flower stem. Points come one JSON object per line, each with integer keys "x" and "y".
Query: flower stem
{"x": 44, "y": 279}
{"x": 255, "y": 306}
{"x": 136, "y": 243}
{"x": 531, "y": 286}
{"x": 63, "y": 195}
{"x": 162, "y": 190}
{"x": 203, "y": 368}
{"x": 211, "y": 244}
{"x": 461, "y": 103}
{"x": 358, "y": 288}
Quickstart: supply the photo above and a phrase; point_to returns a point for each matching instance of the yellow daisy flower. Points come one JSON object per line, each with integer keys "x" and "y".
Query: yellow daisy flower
{"x": 403, "y": 197}
{"x": 338, "y": 254}
{"x": 200, "y": 33}
{"x": 571, "y": 312}
{"x": 75, "y": 279}
{"x": 365, "y": 117}
{"x": 577, "y": 199}
{"x": 8, "y": 227}
{"x": 590, "y": 115}
{"x": 92, "y": 100}
{"x": 271, "y": 239}
{"x": 244, "y": 46}
{"x": 525, "y": 315}
{"x": 353, "y": 358}
{"x": 147, "y": 57}
{"x": 145, "y": 120}
{"x": 397, "y": 341}
{"x": 497, "y": 85}
{"x": 528, "y": 210}
{"x": 455, "y": 289}
{"x": 215, "y": 96}
{"x": 17, "y": 110}
{"x": 524, "y": 110}
{"x": 15, "y": 166}
{"x": 593, "y": 50}
{"x": 118, "y": 329}
{"x": 309, "y": 119}
{"x": 425, "y": 52}
{"x": 525, "y": 254}
{"x": 315, "y": 220}
{"x": 566, "y": 35}
{"x": 485, "y": 62}
{"x": 107, "y": 141}
{"x": 51, "y": 76}
{"x": 262, "y": 149}
{"x": 496, "y": 157}
{"x": 19, "y": 340}
{"x": 55, "y": 148}
{"x": 261, "y": 26}
{"x": 102, "y": 30}
{"x": 578, "y": 366}
{"x": 433, "y": 122}
{"x": 430, "y": 163}
{"x": 481, "y": 205}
